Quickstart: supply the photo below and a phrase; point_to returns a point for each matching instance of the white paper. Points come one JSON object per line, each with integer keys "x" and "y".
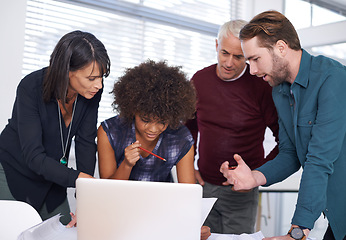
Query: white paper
{"x": 207, "y": 204}
{"x": 244, "y": 236}
{"x": 50, "y": 229}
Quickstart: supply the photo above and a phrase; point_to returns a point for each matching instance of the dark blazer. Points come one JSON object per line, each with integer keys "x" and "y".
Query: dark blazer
{"x": 30, "y": 145}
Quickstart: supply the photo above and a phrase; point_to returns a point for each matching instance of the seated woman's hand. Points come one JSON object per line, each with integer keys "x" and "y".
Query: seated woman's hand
{"x": 132, "y": 153}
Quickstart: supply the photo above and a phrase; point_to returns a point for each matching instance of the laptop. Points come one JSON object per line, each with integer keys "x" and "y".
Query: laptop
{"x": 137, "y": 210}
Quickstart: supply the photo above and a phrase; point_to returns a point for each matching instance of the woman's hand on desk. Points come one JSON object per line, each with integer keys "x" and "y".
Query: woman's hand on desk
{"x": 84, "y": 175}
{"x": 205, "y": 232}
{"x": 73, "y": 222}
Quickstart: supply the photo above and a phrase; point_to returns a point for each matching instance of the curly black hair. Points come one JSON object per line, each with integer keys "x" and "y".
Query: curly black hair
{"x": 156, "y": 90}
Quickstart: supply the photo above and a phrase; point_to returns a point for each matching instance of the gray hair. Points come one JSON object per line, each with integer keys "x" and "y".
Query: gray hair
{"x": 231, "y": 27}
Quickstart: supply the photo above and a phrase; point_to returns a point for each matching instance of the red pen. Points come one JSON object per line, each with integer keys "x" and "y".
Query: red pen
{"x": 152, "y": 153}
{"x": 232, "y": 167}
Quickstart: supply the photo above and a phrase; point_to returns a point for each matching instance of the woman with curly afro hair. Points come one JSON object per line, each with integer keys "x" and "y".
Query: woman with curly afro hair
{"x": 153, "y": 101}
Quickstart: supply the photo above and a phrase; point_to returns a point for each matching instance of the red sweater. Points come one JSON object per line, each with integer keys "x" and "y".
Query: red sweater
{"x": 232, "y": 118}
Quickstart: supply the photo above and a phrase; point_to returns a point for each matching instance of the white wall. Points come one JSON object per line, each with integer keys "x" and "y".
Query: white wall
{"x": 12, "y": 25}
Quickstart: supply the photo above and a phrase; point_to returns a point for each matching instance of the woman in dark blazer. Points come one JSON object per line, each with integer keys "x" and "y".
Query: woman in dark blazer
{"x": 52, "y": 106}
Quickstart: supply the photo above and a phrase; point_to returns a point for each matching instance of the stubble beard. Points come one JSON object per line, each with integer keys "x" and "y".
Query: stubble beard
{"x": 280, "y": 72}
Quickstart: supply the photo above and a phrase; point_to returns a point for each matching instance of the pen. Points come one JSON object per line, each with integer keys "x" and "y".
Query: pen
{"x": 152, "y": 153}
{"x": 232, "y": 167}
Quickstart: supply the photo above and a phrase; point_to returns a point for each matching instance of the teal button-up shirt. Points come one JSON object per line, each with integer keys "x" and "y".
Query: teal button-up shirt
{"x": 312, "y": 120}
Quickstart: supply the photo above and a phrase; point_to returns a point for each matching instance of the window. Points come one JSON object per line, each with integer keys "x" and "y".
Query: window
{"x": 303, "y": 14}
{"x": 132, "y": 32}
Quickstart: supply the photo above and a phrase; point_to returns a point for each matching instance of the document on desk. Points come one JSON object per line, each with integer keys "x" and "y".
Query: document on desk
{"x": 244, "y": 236}
{"x": 254, "y": 236}
{"x": 50, "y": 229}
{"x": 207, "y": 204}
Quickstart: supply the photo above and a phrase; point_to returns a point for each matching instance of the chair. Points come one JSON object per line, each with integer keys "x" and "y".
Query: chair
{"x": 15, "y": 217}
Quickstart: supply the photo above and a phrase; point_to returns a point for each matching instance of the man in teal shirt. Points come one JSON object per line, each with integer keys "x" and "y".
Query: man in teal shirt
{"x": 310, "y": 96}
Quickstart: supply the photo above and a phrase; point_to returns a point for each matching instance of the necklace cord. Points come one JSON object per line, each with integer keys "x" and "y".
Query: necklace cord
{"x": 64, "y": 149}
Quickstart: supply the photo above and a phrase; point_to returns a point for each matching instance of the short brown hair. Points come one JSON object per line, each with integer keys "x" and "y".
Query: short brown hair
{"x": 269, "y": 27}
